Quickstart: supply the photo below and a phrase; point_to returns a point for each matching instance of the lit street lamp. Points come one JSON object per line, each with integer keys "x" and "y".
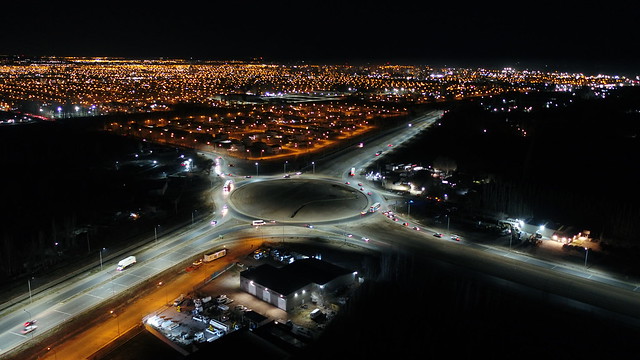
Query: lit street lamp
{"x": 117, "y": 320}
{"x": 155, "y": 233}
{"x": 166, "y": 300}
{"x": 313, "y": 164}
{"x": 55, "y": 353}
{"x": 256, "y": 169}
{"x": 101, "y": 258}
{"x": 586, "y": 255}
{"x": 285, "y": 166}
{"x": 409, "y": 207}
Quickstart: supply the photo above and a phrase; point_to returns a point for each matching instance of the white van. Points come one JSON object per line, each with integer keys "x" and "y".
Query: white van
{"x": 315, "y": 314}
{"x": 258, "y": 222}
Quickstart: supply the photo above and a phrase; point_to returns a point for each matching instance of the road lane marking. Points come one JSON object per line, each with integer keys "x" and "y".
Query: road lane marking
{"x": 96, "y": 296}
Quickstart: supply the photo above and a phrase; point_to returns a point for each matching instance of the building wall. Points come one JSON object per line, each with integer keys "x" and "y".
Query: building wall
{"x": 298, "y": 297}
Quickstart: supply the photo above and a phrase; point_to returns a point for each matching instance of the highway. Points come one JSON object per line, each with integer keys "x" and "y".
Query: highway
{"x": 88, "y": 290}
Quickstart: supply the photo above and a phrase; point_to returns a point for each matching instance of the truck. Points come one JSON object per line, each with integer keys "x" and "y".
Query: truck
{"x": 214, "y": 255}
{"x": 126, "y": 262}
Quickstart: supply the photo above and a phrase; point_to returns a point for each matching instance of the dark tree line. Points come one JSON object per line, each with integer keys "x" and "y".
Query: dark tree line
{"x": 63, "y": 199}
{"x": 576, "y": 164}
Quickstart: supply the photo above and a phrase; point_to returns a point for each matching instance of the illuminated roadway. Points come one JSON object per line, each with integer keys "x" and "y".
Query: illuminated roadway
{"x": 327, "y": 179}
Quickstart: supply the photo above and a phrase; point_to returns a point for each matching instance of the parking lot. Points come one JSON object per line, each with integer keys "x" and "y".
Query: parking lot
{"x": 219, "y": 307}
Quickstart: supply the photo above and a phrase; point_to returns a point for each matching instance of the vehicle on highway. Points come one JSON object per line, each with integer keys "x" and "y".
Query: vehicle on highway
{"x": 366, "y": 239}
{"x": 286, "y": 176}
{"x": 28, "y": 329}
{"x": 455, "y": 237}
{"x": 405, "y": 223}
{"x": 348, "y": 183}
{"x": 258, "y": 222}
{"x": 416, "y": 228}
{"x": 30, "y": 322}
{"x": 437, "y": 235}
{"x": 309, "y": 226}
{"x": 126, "y": 262}
{"x": 349, "y": 235}
{"x": 214, "y": 222}
{"x": 227, "y": 185}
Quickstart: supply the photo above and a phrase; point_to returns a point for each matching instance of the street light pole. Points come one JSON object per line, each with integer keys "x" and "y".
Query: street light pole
{"x": 117, "y": 320}
{"x": 29, "y": 285}
{"x": 101, "y": 259}
{"x": 409, "y": 207}
{"x": 285, "y": 167}
{"x": 28, "y": 312}
{"x": 313, "y": 164}
{"x": 586, "y": 255}
{"x": 55, "y": 353}
{"x": 256, "y": 169}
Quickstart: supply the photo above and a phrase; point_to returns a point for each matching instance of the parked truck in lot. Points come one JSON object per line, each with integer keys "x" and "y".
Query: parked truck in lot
{"x": 126, "y": 262}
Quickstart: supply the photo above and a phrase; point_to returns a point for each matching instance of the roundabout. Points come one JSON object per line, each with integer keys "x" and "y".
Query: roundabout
{"x": 298, "y": 200}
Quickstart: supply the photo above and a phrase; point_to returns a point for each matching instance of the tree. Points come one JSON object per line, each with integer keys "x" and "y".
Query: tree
{"x": 445, "y": 163}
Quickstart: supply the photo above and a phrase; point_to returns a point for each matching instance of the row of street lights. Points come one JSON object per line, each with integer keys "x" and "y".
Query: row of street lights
{"x": 313, "y": 165}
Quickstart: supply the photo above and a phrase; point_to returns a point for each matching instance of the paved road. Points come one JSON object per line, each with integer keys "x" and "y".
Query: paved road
{"x": 257, "y": 198}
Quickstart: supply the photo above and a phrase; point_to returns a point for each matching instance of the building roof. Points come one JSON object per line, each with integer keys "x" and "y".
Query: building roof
{"x": 290, "y": 278}
{"x": 315, "y": 270}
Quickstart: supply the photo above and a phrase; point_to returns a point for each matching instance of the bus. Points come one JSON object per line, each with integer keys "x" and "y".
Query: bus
{"x": 352, "y": 172}
{"x": 375, "y": 207}
{"x": 258, "y": 222}
{"x": 214, "y": 255}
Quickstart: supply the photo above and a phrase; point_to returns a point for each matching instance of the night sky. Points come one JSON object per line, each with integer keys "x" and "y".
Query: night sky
{"x": 591, "y": 37}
